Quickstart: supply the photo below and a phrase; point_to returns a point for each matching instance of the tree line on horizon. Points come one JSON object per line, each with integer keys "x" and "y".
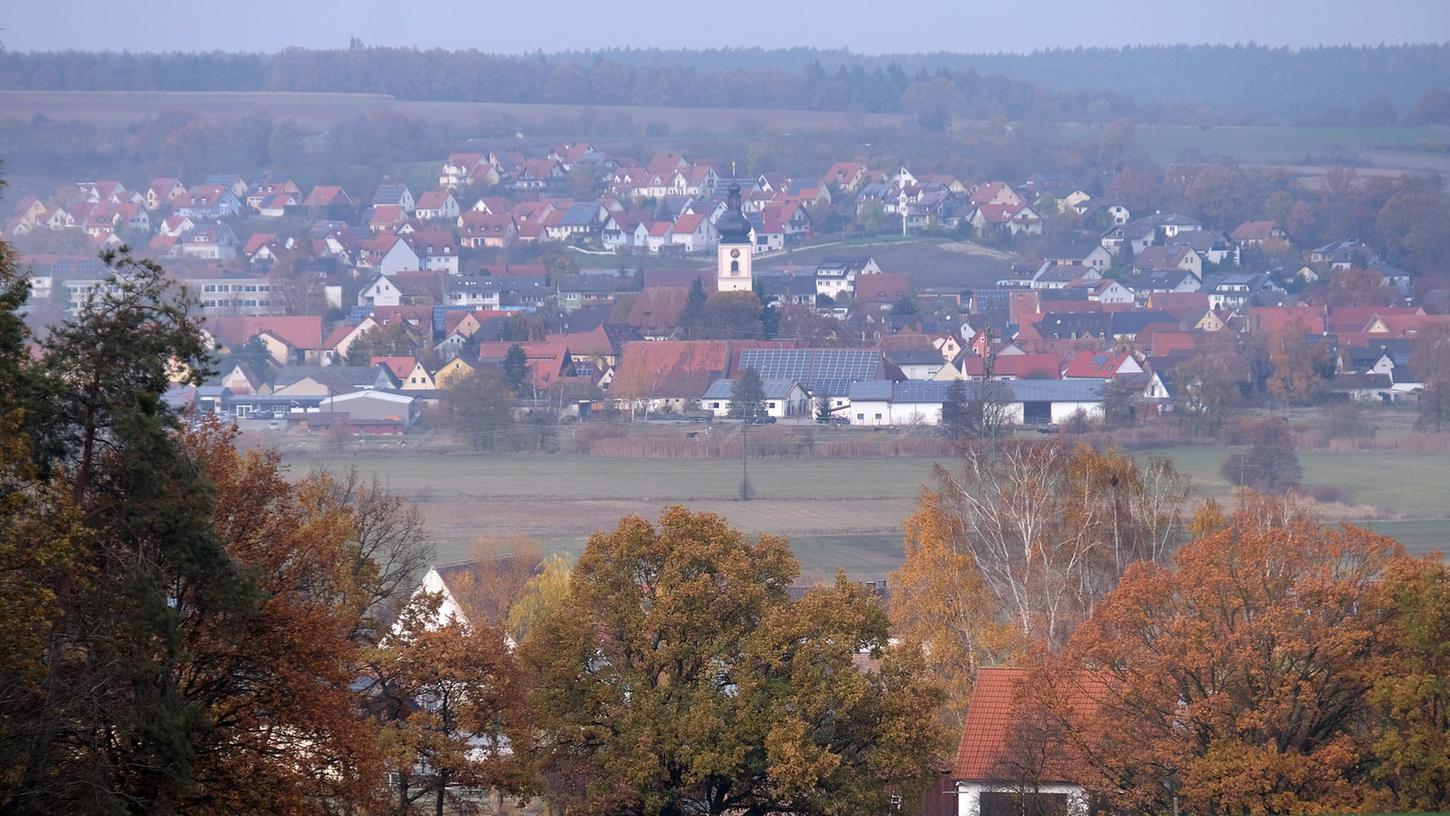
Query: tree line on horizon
{"x": 1177, "y": 83}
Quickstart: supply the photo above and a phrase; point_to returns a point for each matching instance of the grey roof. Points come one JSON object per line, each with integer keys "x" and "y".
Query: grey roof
{"x": 355, "y": 376}
{"x": 389, "y": 193}
{"x": 580, "y": 214}
{"x": 915, "y": 356}
{"x": 773, "y": 389}
{"x": 1076, "y": 250}
{"x": 1139, "y": 319}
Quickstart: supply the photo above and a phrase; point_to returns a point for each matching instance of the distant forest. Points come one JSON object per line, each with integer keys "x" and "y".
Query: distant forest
{"x": 1192, "y": 84}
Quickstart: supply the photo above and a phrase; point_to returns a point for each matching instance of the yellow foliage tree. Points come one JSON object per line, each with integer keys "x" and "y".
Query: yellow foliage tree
{"x": 940, "y": 601}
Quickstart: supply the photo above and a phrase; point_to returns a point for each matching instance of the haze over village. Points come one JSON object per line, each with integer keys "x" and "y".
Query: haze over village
{"x": 974, "y": 412}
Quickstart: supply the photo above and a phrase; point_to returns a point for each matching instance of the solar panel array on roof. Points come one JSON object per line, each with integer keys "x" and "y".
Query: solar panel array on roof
{"x": 823, "y": 372}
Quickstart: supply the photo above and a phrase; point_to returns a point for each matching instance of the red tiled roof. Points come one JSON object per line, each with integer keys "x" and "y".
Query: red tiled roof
{"x": 996, "y": 708}
{"x": 1090, "y": 364}
{"x": 670, "y": 368}
{"x": 300, "y": 331}
{"x": 1347, "y": 319}
{"x": 886, "y": 287}
{"x": 400, "y": 366}
{"x": 1179, "y": 304}
{"x": 1273, "y": 320}
{"x": 1021, "y": 366}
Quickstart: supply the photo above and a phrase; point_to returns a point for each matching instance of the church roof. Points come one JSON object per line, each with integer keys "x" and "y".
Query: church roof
{"x": 733, "y": 226}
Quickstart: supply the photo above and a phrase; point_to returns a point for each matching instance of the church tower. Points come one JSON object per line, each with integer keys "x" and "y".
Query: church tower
{"x": 732, "y": 267}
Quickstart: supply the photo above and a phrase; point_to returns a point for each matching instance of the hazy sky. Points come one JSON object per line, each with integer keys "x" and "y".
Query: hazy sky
{"x": 870, "y": 26}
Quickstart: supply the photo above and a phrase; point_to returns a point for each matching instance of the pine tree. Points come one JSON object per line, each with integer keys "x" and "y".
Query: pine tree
{"x": 515, "y": 369}
{"x": 694, "y": 311}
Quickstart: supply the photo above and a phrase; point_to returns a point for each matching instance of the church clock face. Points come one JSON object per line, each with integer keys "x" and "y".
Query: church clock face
{"x": 735, "y": 253}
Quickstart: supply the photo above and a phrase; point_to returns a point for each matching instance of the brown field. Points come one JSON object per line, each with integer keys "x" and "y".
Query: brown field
{"x": 324, "y": 109}
{"x": 838, "y": 513}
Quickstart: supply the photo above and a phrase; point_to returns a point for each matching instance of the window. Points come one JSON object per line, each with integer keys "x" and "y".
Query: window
{"x": 878, "y": 417}
{"x": 863, "y": 416}
{"x": 734, "y": 267}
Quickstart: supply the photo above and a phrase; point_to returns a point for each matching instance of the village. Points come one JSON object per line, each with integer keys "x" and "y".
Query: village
{"x": 648, "y": 287}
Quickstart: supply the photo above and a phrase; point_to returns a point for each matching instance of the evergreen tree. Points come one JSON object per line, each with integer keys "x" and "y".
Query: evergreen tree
{"x": 515, "y": 369}
{"x": 747, "y": 396}
{"x": 956, "y": 411}
{"x": 694, "y": 311}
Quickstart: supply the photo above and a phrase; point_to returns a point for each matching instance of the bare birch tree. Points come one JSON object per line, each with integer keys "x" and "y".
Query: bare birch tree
{"x": 1052, "y": 527}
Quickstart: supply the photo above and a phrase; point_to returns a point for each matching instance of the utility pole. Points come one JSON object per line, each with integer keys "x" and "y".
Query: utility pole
{"x": 745, "y": 457}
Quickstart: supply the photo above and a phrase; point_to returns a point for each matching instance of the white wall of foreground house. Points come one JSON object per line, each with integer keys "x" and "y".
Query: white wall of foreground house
{"x": 969, "y": 797}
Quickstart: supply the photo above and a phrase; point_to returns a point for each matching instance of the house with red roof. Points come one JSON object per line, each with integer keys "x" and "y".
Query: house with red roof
{"x": 847, "y": 176}
{"x": 694, "y": 232}
{"x": 996, "y": 755}
{"x": 387, "y": 218}
{"x": 162, "y": 191}
{"x": 1256, "y": 233}
{"x": 328, "y": 197}
{"x": 1101, "y": 365}
{"x": 884, "y": 289}
{"x": 481, "y": 229}
{"x": 457, "y": 168}
{"x": 436, "y": 205}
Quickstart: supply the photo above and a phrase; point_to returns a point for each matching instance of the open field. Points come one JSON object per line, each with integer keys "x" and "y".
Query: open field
{"x": 1388, "y": 148}
{"x": 929, "y": 261}
{"x": 324, "y": 109}
{"x": 838, "y": 513}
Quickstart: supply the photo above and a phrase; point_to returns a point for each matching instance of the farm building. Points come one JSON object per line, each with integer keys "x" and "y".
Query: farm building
{"x": 916, "y": 402}
{"x": 783, "y": 398}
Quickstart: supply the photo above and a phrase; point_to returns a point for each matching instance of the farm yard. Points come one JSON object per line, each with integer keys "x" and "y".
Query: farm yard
{"x": 838, "y": 514}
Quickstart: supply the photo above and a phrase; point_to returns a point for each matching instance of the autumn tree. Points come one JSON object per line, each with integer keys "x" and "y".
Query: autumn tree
{"x": 1430, "y": 356}
{"x": 679, "y": 676}
{"x": 543, "y": 594}
{"x": 1270, "y": 463}
{"x": 503, "y": 568}
{"x": 731, "y": 316}
{"x": 479, "y": 406}
{"x": 183, "y": 621}
{"x": 382, "y": 341}
{"x": 1411, "y": 751}
{"x": 1208, "y": 387}
{"x": 1051, "y": 527}
{"x": 1234, "y": 676}
{"x": 451, "y": 701}
{"x": 939, "y": 600}
{"x": 1301, "y": 367}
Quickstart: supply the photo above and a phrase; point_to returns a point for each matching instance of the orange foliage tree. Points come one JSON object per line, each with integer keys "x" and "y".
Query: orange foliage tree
{"x": 451, "y": 697}
{"x": 286, "y": 732}
{"x": 1235, "y": 677}
{"x": 938, "y": 599}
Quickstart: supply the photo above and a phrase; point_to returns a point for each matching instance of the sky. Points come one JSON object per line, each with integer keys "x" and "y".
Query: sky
{"x": 868, "y": 26}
